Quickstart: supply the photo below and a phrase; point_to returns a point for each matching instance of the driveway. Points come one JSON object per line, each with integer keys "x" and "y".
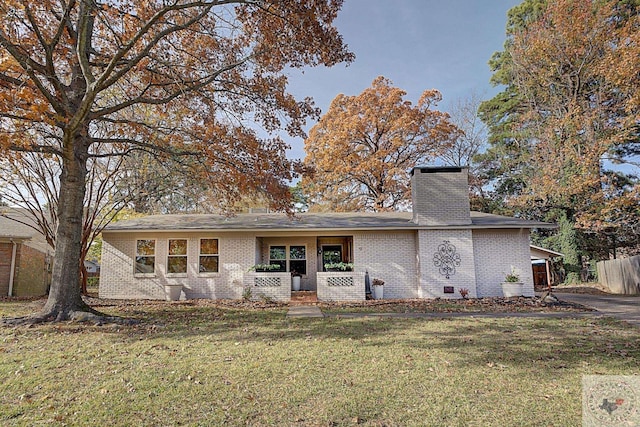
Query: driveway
{"x": 622, "y": 307}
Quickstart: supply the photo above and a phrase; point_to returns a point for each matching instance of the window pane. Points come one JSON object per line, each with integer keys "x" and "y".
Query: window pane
{"x": 209, "y": 246}
{"x": 177, "y": 247}
{"x": 145, "y": 264}
{"x": 177, "y": 264}
{"x": 278, "y": 252}
{"x": 208, "y": 264}
{"x": 299, "y": 267}
{"x": 297, "y": 252}
{"x": 146, "y": 247}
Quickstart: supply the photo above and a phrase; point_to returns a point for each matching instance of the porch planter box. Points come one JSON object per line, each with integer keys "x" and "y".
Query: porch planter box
{"x": 512, "y": 289}
{"x": 172, "y": 292}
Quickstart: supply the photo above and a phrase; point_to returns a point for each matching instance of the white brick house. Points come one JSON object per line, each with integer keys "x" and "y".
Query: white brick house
{"x": 434, "y": 251}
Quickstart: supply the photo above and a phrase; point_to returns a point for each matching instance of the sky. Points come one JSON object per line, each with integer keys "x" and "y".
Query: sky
{"x": 417, "y": 44}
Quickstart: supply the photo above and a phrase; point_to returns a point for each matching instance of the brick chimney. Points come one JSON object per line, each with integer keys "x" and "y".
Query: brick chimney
{"x": 440, "y": 195}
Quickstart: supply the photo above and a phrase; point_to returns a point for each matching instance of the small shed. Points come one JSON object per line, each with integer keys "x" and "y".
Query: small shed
{"x": 541, "y": 264}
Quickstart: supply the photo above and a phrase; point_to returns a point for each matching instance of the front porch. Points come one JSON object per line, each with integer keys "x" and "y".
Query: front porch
{"x": 332, "y": 286}
{"x": 303, "y": 255}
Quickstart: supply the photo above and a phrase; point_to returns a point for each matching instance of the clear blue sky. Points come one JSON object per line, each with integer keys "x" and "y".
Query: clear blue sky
{"x": 418, "y": 44}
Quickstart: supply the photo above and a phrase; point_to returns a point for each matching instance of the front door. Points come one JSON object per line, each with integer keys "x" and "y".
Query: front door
{"x": 331, "y": 254}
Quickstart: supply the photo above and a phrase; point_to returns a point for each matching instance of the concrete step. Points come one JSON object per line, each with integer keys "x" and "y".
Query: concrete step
{"x": 304, "y": 311}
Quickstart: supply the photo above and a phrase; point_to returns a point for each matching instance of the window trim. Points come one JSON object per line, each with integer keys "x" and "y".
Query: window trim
{"x": 207, "y": 273}
{"x": 269, "y": 259}
{"x": 306, "y": 259}
{"x": 287, "y": 256}
{"x": 186, "y": 256}
{"x": 155, "y": 260}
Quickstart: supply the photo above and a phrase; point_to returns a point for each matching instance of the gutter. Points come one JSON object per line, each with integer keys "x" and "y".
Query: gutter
{"x": 331, "y": 230}
{"x": 12, "y": 272}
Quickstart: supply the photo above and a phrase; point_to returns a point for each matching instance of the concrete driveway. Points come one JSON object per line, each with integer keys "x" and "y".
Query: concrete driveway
{"x": 622, "y": 307}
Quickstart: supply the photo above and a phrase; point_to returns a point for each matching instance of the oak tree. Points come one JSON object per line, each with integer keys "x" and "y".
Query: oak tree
{"x": 469, "y": 143}
{"x": 171, "y": 78}
{"x": 569, "y": 112}
{"x": 360, "y": 151}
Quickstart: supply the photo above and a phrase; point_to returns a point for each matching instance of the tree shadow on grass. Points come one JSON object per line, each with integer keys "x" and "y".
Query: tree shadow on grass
{"x": 554, "y": 343}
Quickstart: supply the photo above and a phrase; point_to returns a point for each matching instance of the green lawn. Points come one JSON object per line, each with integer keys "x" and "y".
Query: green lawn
{"x": 202, "y": 364}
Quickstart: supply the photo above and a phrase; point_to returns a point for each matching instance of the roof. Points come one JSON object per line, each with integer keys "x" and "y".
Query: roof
{"x": 541, "y": 253}
{"x": 17, "y": 229}
{"x": 309, "y": 222}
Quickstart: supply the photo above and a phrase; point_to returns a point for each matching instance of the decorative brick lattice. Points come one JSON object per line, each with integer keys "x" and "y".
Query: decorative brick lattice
{"x": 340, "y": 281}
{"x": 267, "y": 282}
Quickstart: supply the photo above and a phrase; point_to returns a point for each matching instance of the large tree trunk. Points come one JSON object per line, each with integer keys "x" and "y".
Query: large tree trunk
{"x": 65, "y": 300}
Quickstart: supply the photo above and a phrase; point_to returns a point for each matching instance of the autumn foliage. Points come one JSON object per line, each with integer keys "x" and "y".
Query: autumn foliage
{"x": 85, "y": 78}
{"x": 568, "y": 120}
{"x": 359, "y": 154}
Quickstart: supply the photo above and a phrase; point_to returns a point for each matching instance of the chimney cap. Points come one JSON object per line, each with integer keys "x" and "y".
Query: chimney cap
{"x": 438, "y": 169}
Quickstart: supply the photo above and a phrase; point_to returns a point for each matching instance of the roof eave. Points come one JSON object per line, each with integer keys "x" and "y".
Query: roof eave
{"x": 333, "y": 229}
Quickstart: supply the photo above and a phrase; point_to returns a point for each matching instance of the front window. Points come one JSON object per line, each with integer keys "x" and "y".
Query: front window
{"x": 177, "y": 258}
{"x": 145, "y": 256}
{"x": 293, "y": 257}
{"x": 209, "y": 256}
{"x": 278, "y": 256}
{"x": 298, "y": 259}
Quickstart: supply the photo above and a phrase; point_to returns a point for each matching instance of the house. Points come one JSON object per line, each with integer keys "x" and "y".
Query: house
{"x": 431, "y": 252}
{"x": 25, "y": 256}
{"x": 92, "y": 267}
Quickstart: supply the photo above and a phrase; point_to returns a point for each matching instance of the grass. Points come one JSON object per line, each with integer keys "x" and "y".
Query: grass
{"x": 204, "y": 364}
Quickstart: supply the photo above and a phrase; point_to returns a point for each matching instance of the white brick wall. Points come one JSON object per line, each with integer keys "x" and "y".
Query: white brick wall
{"x": 496, "y": 252}
{"x": 432, "y": 282}
{"x": 276, "y": 286}
{"x": 341, "y": 286}
{"x": 440, "y": 197}
{"x": 117, "y": 279}
{"x": 486, "y": 256}
{"x": 391, "y": 257}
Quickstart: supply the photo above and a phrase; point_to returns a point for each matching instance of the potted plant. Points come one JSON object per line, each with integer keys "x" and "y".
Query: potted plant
{"x": 377, "y": 289}
{"x": 512, "y": 286}
{"x": 339, "y": 266}
{"x": 295, "y": 280}
{"x": 264, "y": 268}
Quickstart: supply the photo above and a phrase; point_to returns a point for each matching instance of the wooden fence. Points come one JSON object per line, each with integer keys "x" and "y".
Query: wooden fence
{"x": 621, "y": 276}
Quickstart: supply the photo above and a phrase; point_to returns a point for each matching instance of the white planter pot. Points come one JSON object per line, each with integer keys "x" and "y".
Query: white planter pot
{"x": 378, "y": 292}
{"x": 172, "y": 292}
{"x": 295, "y": 283}
{"x": 512, "y": 289}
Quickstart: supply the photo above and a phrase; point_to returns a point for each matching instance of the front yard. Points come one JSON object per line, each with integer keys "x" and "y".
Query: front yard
{"x": 201, "y": 363}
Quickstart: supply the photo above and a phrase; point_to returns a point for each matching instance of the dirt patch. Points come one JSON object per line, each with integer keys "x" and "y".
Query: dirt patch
{"x": 227, "y": 303}
{"x": 472, "y": 305}
{"x": 582, "y": 288}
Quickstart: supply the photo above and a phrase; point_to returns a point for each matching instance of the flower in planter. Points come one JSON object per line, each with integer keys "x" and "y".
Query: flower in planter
{"x": 265, "y": 267}
{"x": 339, "y": 266}
{"x": 512, "y": 277}
{"x": 464, "y": 292}
{"x": 377, "y": 282}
